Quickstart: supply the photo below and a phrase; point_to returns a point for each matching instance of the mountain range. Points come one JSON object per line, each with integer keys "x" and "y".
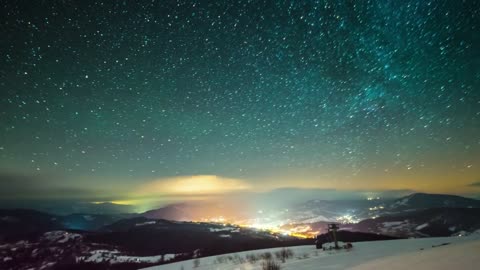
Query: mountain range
{"x": 166, "y": 232}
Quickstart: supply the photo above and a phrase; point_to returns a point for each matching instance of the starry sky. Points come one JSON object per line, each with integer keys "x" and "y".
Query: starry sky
{"x": 132, "y": 100}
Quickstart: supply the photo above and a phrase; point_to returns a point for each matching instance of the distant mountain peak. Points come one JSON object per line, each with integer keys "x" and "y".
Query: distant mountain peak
{"x": 426, "y": 200}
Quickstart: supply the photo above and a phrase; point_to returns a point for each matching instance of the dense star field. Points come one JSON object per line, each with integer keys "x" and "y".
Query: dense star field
{"x": 101, "y": 97}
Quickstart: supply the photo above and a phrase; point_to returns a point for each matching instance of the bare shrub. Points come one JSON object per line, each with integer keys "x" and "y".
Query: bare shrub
{"x": 252, "y": 258}
{"x": 238, "y": 260}
{"x": 270, "y": 264}
{"x": 220, "y": 259}
{"x": 284, "y": 254}
{"x": 266, "y": 255}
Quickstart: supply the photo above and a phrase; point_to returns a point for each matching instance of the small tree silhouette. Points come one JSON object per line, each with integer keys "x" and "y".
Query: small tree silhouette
{"x": 196, "y": 263}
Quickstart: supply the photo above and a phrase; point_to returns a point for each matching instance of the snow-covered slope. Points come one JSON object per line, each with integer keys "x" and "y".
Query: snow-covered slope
{"x": 406, "y": 254}
{"x": 460, "y": 256}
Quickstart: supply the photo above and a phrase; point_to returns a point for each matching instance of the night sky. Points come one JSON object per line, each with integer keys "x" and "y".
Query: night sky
{"x": 126, "y": 100}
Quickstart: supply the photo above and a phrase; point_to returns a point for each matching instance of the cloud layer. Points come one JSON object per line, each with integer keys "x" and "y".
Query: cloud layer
{"x": 192, "y": 185}
{"x": 475, "y": 184}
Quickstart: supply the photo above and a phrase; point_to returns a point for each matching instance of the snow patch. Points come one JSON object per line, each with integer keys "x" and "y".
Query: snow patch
{"x": 146, "y": 223}
{"x": 392, "y": 224}
{"x": 423, "y": 226}
{"x": 115, "y": 257}
{"x": 88, "y": 217}
{"x": 61, "y": 236}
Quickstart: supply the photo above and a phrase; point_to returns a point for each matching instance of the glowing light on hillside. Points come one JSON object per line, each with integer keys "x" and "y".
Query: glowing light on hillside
{"x": 348, "y": 219}
{"x": 274, "y": 228}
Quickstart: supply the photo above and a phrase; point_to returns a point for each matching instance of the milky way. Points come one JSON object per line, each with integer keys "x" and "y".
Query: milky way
{"x": 324, "y": 93}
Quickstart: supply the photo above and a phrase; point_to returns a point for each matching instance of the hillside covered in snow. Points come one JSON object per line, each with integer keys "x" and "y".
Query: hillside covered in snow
{"x": 426, "y": 253}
